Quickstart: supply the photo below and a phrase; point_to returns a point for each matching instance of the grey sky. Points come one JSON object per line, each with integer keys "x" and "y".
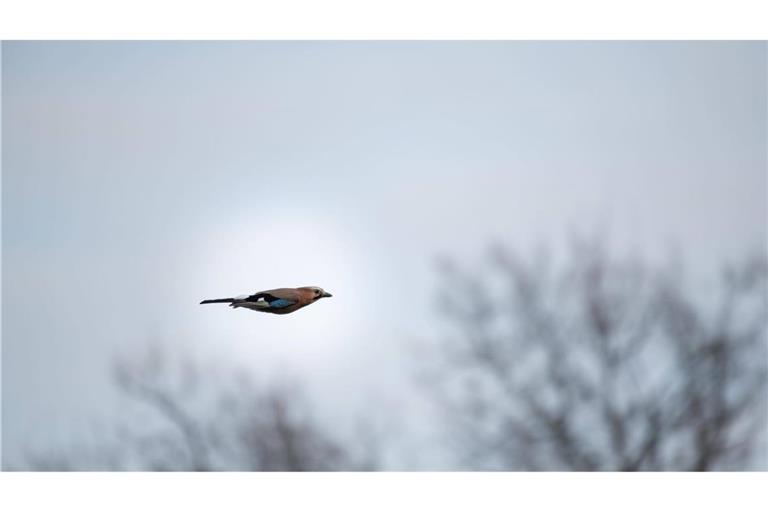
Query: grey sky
{"x": 140, "y": 178}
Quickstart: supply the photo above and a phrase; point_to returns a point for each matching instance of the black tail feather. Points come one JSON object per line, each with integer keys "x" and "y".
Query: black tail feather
{"x": 217, "y": 301}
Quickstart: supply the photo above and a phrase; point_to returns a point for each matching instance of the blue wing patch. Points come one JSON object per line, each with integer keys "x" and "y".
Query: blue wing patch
{"x": 280, "y": 303}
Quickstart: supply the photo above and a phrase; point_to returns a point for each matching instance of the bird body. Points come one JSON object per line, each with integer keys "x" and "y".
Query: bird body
{"x": 279, "y": 301}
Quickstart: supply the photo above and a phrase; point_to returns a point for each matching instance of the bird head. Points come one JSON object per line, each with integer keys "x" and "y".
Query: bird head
{"x": 317, "y": 292}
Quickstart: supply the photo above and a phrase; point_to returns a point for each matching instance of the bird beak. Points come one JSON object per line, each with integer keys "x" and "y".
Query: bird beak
{"x": 326, "y": 294}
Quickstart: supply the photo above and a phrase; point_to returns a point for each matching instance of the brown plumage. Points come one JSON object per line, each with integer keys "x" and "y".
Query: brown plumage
{"x": 279, "y": 301}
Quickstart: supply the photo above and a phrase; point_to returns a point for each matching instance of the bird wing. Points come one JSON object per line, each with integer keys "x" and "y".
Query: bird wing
{"x": 278, "y": 298}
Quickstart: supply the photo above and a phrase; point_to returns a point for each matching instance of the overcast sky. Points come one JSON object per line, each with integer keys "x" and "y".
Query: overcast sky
{"x": 140, "y": 178}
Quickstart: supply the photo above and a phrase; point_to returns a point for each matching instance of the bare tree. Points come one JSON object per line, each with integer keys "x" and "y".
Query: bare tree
{"x": 188, "y": 417}
{"x": 602, "y": 364}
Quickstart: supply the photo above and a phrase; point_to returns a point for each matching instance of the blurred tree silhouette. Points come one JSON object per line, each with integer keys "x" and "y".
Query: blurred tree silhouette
{"x": 595, "y": 363}
{"x": 602, "y": 364}
{"x": 197, "y": 419}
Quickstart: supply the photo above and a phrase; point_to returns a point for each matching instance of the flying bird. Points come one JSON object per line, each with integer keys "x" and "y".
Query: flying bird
{"x": 279, "y": 301}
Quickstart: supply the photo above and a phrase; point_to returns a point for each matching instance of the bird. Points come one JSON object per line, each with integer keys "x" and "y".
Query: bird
{"x": 279, "y": 301}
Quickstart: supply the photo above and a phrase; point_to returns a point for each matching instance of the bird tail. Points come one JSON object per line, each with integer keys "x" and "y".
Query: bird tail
{"x": 217, "y": 301}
